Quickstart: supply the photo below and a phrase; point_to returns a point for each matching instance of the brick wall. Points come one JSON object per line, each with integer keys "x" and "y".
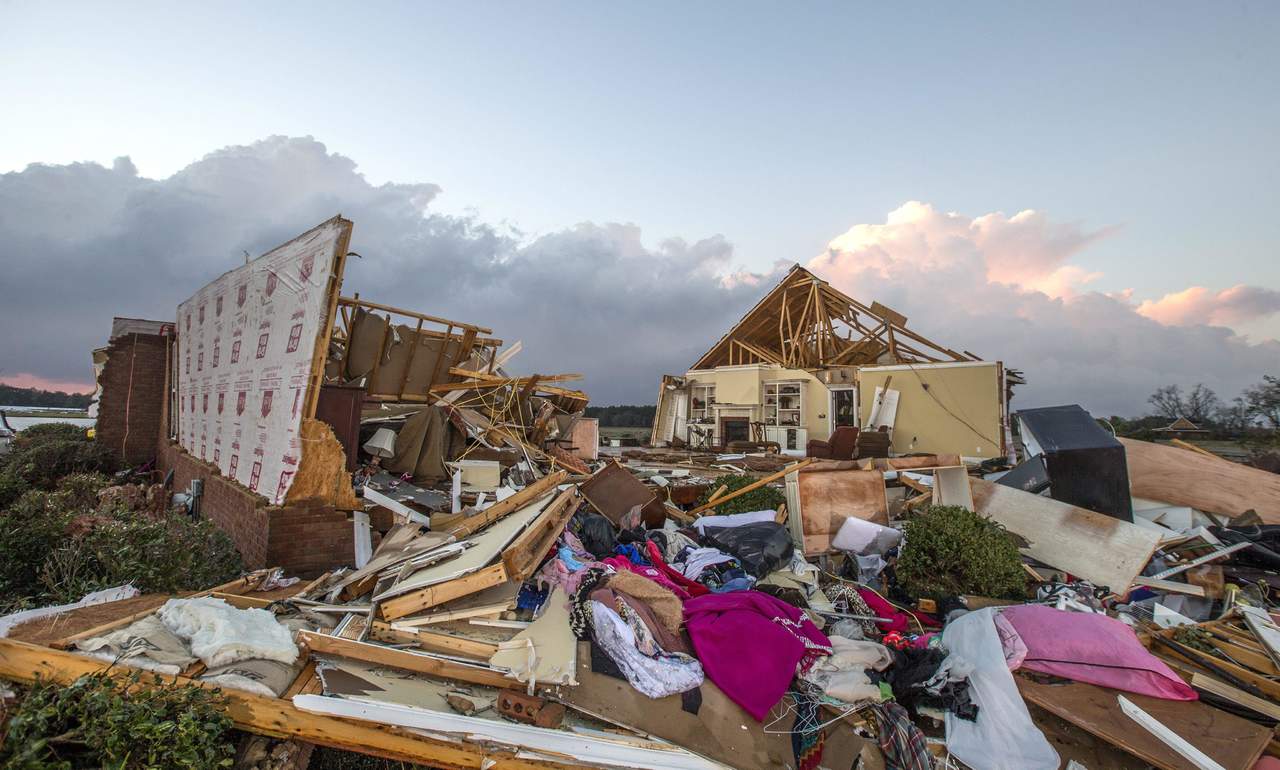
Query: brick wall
{"x": 305, "y": 540}
{"x": 131, "y": 406}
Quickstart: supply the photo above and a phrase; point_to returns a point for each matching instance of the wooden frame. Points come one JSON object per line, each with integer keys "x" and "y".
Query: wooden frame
{"x": 799, "y": 325}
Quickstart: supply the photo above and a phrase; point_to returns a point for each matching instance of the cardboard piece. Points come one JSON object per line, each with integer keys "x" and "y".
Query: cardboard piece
{"x": 827, "y": 497}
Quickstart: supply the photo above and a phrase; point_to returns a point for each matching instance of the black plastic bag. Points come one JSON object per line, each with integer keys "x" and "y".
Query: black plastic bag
{"x": 760, "y": 548}
{"x": 597, "y": 534}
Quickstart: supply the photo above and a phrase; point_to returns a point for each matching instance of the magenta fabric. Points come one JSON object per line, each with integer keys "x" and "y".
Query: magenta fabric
{"x": 693, "y": 587}
{"x": 1092, "y": 648}
{"x": 751, "y": 645}
{"x": 898, "y": 620}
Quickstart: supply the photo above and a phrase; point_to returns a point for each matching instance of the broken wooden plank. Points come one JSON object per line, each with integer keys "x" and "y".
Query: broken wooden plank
{"x": 1209, "y": 484}
{"x": 1099, "y": 548}
{"x": 1223, "y": 690}
{"x": 514, "y": 503}
{"x": 324, "y": 644}
{"x": 525, "y": 553}
{"x": 752, "y": 486}
{"x": 439, "y": 593}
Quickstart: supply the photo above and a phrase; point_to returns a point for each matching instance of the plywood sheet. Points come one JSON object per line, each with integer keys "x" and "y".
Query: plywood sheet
{"x": 246, "y": 343}
{"x": 827, "y": 498}
{"x": 1091, "y": 545}
{"x": 614, "y": 491}
{"x": 1233, "y": 742}
{"x": 1183, "y": 477}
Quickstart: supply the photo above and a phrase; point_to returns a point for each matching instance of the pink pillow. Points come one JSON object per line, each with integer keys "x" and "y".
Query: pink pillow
{"x": 1092, "y": 648}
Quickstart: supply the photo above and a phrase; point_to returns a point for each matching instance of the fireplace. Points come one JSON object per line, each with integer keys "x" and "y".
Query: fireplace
{"x": 734, "y": 429}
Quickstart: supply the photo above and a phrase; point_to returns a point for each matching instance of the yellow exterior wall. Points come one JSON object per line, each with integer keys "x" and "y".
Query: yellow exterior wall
{"x": 962, "y": 412}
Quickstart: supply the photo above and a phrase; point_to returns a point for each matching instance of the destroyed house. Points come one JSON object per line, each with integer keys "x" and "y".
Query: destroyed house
{"x": 807, "y": 360}
{"x": 263, "y": 392}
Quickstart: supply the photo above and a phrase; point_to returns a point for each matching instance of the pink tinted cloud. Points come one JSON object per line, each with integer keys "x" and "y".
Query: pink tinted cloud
{"x": 1199, "y": 305}
{"x": 29, "y": 380}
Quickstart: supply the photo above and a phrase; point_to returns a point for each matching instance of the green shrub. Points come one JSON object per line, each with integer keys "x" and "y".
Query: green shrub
{"x": 949, "y": 550}
{"x": 42, "y": 454}
{"x": 762, "y": 499}
{"x": 56, "y": 546}
{"x": 98, "y": 721}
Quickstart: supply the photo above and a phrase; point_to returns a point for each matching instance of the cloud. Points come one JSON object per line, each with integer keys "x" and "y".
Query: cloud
{"x": 1197, "y": 305}
{"x": 85, "y": 242}
{"x": 1004, "y": 289}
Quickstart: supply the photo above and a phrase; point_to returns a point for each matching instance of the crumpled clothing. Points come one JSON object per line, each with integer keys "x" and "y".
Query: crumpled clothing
{"x": 671, "y": 541}
{"x": 842, "y": 674}
{"x": 739, "y": 583}
{"x": 570, "y": 561}
{"x": 631, "y": 552}
{"x": 845, "y": 598}
{"x": 664, "y": 604}
{"x": 692, "y": 562}
{"x": 691, "y": 587}
{"x": 752, "y": 645}
{"x": 531, "y": 598}
{"x": 657, "y": 676}
{"x": 580, "y": 613}
{"x": 903, "y": 744}
{"x": 623, "y": 564}
{"x": 654, "y": 638}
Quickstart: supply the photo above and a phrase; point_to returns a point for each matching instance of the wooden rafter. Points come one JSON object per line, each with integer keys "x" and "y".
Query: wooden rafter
{"x": 805, "y": 323}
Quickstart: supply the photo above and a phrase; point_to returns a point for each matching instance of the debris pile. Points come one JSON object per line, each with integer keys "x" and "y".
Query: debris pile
{"x": 520, "y": 596}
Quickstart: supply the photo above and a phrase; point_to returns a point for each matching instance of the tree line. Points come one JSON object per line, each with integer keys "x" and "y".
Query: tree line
{"x": 628, "y": 416}
{"x": 1255, "y": 413}
{"x": 14, "y": 396}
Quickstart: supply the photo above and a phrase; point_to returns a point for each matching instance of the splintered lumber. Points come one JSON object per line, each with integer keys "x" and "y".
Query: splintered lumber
{"x": 1099, "y": 548}
{"x": 432, "y": 640}
{"x": 323, "y": 644}
{"x": 1209, "y": 484}
{"x": 503, "y": 507}
{"x": 524, "y": 554}
{"x": 439, "y": 593}
{"x": 1228, "y": 740}
{"x": 752, "y": 486}
{"x": 1223, "y": 690}
{"x": 273, "y": 717}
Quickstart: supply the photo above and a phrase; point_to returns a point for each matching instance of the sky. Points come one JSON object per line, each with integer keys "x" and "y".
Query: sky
{"x": 1084, "y": 191}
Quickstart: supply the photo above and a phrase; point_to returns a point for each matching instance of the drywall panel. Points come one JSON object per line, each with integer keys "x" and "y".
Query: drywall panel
{"x": 738, "y": 386}
{"x": 246, "y": 343}
{"x": 949, "y": 408}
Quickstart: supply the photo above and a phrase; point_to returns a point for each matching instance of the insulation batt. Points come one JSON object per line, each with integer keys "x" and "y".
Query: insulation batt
{"x": 220, "y": 634}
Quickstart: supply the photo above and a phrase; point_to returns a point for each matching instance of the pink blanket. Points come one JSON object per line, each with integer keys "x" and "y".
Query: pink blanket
{"x": 1092, "y": 648}
{"x": 751, "y": 645}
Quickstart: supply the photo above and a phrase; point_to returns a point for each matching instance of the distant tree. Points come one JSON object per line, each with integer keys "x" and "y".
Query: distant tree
{"x": 623, "y": 416}
{"x": 1263, "y": 401}
{"x": 1201, "y": 404}
{"x": 1168, "y": 402}
{"x": 1234, "y": 418}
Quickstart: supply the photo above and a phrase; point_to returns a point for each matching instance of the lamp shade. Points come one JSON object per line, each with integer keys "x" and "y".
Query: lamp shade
{"x": 382, "y": 444}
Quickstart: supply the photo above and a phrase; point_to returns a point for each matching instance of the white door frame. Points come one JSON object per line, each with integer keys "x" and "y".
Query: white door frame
{"x": 831, "y": 403}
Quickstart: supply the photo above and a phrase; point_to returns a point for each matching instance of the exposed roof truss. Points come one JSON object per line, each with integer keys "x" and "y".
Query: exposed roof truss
{"x": 804, "y": 323}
